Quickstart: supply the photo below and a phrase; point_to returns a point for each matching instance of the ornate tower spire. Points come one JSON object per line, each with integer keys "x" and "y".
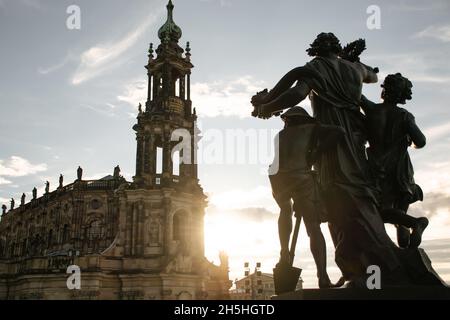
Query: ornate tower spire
{"x": 169, "y": 31}
{"x": 168, "y": 108}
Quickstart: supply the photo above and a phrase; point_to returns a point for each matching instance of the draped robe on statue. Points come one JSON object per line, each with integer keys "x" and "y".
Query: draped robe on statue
{"x": 355, "y": 224}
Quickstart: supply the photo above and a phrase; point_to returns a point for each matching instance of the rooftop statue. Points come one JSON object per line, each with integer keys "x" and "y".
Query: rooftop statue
{"x": 79, "y": 173}
{"x": 117, "y": 172}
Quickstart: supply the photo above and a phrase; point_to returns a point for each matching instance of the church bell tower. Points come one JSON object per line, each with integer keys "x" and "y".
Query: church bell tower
{"x": 166, "y": 132}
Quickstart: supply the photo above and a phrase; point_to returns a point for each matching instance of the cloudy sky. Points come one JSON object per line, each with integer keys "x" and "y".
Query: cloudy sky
{"x": 69, "y": 97}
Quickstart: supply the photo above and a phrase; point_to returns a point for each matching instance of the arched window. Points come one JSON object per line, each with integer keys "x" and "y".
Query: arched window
{"x": 177, "y": 88}
{"x": 159, "y": 160}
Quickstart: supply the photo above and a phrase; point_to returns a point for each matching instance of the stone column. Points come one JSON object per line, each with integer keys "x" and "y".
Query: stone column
{"x": 139, "y": 154}
{"x": 182, "y": 90}
{"x": 156, "y": 81}
{"x": 188, "y": 86}
{"x": 167, "y": 159}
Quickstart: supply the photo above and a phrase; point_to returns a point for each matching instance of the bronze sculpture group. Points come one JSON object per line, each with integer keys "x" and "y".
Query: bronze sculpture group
{"x": 356, "y": 190}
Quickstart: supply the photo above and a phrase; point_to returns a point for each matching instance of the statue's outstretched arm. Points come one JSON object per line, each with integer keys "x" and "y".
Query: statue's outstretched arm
{"x": 288, "y": 99}
{"x": 283, "y": 85}
{"x": 305, "y": 74}
{"x": 369, "y": 74}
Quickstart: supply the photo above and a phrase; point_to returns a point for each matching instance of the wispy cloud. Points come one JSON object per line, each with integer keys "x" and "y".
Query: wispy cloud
{"x": 102, "y": 57}
{"x": 19, "y": 167}
{"x": 134, "y": 93}
{"x": 434, "y": 202}
{"x": 55, "y": 67}
{"x": 441, "y": 33}
{"x": 225, "y": 98}
{"x": 219, "y": 98}
{"x": 105, "y": 109}
{"x": 437, "y": 131}
{"x": 4, "y": 181}
{"x": 427, "y": 67}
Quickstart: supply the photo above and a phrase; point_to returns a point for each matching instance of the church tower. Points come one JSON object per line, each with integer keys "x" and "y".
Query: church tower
{"x": 162, "y": 211}
{"x": 166, "y": 141}
{"x": 166, "y": 132}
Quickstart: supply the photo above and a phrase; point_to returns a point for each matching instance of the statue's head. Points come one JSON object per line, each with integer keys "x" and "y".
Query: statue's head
{"x": 324, "y": 45}
{"x": 296, "y": 116}
{"x": 396, "y": 89}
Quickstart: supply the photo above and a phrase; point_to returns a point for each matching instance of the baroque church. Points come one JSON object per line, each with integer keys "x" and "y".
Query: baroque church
{"x": 142, "y": 239}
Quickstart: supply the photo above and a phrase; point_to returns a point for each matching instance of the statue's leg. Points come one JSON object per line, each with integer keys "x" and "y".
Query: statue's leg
{"x": 282, "y": 195}
{"x": 285, "y": 229}
{"x": 403, "y": 233}
{"x": 306, "y": 208}
{"x": 398, "y": 217}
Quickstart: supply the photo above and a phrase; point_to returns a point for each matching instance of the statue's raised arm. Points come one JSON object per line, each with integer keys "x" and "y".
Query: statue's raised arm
{"x": 298, "y": 83}
{"x": 285, "y": 94}
{"x": 351, "y": 52}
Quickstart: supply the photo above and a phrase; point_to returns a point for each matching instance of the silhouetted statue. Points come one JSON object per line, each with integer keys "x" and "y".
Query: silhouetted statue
{"x": 47, "y": 187}
{"x": 22, "y": 199}
{"x": 4, "y": 208}
{"x": 140, "y": 108}
{"x": 334, "y": 87}
{"x": 117, "y": 172}
{"x": 292, "y": 179}
{"x": 79, "y": 173}
{"x": 34, "y": 193}
{"x": 61, "y": 181}
{"x": 12, "y": 203}
{"x": 391, "y": 130}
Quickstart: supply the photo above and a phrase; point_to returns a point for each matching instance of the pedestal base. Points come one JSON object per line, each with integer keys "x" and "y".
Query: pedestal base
{"x": 393, "y": 293}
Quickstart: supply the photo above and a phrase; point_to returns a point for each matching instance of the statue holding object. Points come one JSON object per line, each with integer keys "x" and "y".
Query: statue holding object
{"x": 333, "y": 80}
{"x": 292, "y": 179}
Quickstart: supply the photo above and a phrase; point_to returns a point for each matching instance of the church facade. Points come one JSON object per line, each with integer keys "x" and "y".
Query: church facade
{"x": 140, "y": 239}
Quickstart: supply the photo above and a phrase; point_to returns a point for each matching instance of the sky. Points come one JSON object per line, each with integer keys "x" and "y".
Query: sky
{"x": 69, "y": 98}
